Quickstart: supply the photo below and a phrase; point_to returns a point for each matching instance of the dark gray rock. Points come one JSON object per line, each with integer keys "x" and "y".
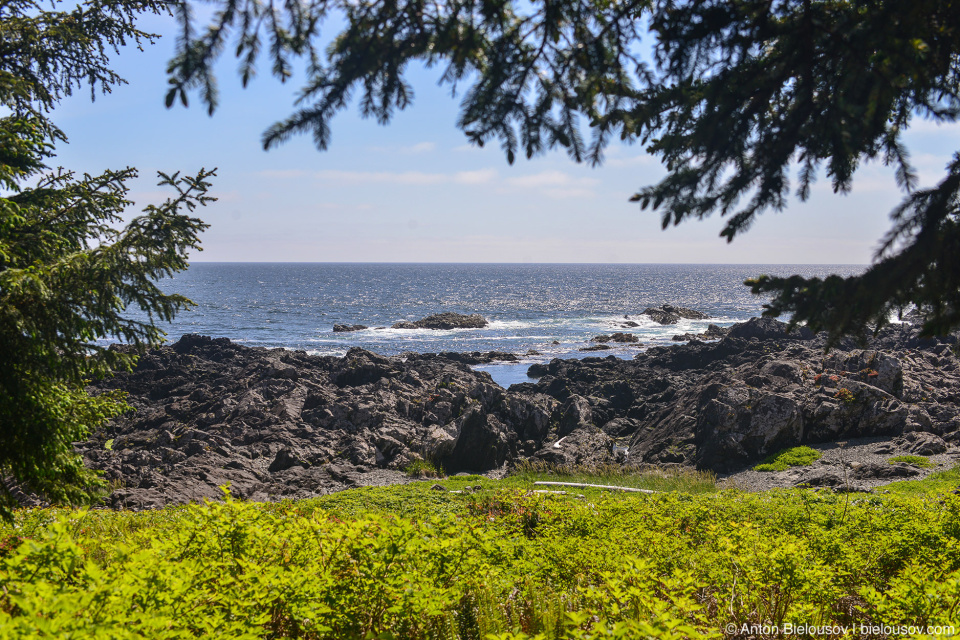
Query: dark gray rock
{"x": 444, "y": 321}
{"x": 281, "y": 424}
{"x": 713, "y": 332}
{"x": 669, "y": 314}
{"x": 345, "y": 328}
{"x": 871, "y": 471}
{"x": 483, "y": 443}
{"x": 921, "y": 444}
{"x": 767, "y": 329}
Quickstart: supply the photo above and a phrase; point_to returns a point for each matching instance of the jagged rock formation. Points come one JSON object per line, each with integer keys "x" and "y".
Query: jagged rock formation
{"x": 713, "y": 332}
{"x": 276, "y": 423}
{"x": 723, "y": 405}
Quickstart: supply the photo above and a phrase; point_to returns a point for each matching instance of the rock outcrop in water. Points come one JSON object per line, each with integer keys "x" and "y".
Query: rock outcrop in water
{"x": 445, "y": 321}
{"x": 276, "y": 423}
{"x": 669, "y": 314}
{"x": 346, "y": 328}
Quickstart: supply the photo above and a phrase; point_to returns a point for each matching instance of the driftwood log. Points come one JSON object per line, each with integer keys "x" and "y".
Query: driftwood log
{"x": 591, "y": 486}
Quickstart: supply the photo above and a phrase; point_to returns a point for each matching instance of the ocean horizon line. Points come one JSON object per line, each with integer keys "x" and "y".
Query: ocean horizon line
{"x": 518, "y": 264}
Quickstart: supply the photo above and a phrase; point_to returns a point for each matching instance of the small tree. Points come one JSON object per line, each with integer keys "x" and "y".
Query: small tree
{"x": 737, "y": 94}
{"x": 67, "y": 272}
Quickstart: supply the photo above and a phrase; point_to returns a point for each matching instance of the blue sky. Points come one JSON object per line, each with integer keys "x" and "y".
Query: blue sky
{"x": 416, "y": 191}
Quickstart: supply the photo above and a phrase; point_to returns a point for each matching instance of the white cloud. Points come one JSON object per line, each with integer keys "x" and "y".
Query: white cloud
{"x": 643, "y": 160}
{"x": 406, "y": 178}
{"x": 411, "y": 178}
{"x": 283, "y": 174}
{"x": 420, "y": 147}
{"x": 569, "y": 193}
{"x": 550, "y": 179}
{"x": 481, "y": 176}
{"x": 555, "y": 184}
{"x": 921, "y": 125}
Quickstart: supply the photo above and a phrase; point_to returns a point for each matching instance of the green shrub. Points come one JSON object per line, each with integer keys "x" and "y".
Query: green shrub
{"x": 498, "y": 563}
{"x": 917, "y": 461}
{"x": 422, "y": 469}
{"x": 794, "y": 457}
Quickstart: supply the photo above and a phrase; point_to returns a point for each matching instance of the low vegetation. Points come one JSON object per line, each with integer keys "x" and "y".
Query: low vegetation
{"x": 495, "y": 561}
{"x": 422, "y": 469}
{"x": 917, "y": 461}
{"x": 667, "y": 479}
{"x": 793, "y": 457}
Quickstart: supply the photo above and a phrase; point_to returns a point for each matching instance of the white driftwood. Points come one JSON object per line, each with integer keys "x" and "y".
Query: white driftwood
{"x": 592, "y": 486}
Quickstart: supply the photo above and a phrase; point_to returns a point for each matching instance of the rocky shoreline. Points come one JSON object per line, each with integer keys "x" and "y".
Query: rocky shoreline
{"x": 283, "y": 424}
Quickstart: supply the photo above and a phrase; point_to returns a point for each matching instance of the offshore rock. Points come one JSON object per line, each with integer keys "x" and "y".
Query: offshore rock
{"x": 445, "y": 321}
{"x": 669, "y": 314}
{"x": 344, "y": 328}
{"x": 616, "y": 337}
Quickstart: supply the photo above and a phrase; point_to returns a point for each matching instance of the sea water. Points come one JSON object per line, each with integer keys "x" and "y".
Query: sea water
{"x": 551, "y": 309}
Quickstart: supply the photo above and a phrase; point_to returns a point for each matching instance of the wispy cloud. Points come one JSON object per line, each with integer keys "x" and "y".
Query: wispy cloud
{"x": 353, "y": 178}
{"x": 283, "y": 174}
{"x": 643, "y": 160}
{"x": 482, "y": 176}
{"x": 921, "y": 125}
{"x": 555, "y": 184}
{"x": 420, "y": 147}
{"x": 409, "y": 178}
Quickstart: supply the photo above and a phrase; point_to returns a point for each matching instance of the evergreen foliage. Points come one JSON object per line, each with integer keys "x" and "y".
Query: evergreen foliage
{"x": 736, "y": 96}
{"x": 68, "y": 271}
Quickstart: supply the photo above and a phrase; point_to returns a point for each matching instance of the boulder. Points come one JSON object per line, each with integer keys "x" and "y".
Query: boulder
{"x": 767, "y": 329}
{"x": 483, "y": 443}
{"x": 921, "y": 444}
{"x": 587, "y": 445}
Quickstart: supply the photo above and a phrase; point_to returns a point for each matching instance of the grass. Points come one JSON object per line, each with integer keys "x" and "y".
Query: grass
{"x": 934, "y": 484}
{"x": 423, "y": 469}
{"x": 794, "y": 457}
{"x": 917, "y": 461}
{"x": 668, "y": 479}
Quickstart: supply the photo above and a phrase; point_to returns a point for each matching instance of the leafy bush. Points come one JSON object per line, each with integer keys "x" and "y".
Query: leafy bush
{"x": 498, "y": 563}
{"x": 918, "y": 461}
{"x": 795, "y": 457}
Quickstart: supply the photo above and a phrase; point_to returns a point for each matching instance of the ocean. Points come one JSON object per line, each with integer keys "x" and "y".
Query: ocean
{"x": 551, "y": 309}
